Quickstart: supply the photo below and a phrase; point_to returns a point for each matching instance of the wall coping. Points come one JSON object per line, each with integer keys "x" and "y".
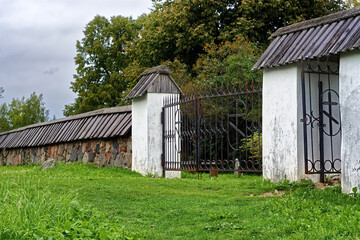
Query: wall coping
{"x": 102, "y": 111}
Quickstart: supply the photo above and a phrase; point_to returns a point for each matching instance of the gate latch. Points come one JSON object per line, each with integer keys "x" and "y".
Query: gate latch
{"x": 303, "y": 119}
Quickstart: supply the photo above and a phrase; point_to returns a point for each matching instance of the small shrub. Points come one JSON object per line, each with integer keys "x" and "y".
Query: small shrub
{"x": 253, "y": 145}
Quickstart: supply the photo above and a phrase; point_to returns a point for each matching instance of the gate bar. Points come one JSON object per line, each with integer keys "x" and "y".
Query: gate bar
{"x": 321, "y": 133}
{"x": 304, "y": 119}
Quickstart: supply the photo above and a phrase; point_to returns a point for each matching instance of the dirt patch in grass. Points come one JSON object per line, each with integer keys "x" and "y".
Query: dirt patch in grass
{"x": 268, "y": 194}
{"x": 323, "y": 186}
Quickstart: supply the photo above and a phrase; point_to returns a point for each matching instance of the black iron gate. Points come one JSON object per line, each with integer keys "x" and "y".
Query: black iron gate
{"x": 219, "y": 130}
{"x": 321, "y": 117}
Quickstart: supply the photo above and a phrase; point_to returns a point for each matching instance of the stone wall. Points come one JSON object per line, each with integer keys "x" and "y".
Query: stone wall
{"x": 101, "y": 152}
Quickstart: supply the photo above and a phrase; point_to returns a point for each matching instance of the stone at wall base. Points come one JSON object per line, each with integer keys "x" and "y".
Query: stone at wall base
{"x": 214, "y": 172}
{"x": 238, "y": 173}
{"x": 172, "y": 174}
{"x": 48, "y": 164}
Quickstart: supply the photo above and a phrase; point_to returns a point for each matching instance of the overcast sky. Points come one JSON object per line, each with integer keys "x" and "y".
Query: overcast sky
{"x": 37, "y": 44}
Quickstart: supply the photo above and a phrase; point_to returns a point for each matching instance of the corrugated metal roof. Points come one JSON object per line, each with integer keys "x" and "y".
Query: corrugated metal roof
{"x": 102, "y": 123}
{"x": 156, "y": 79}
{"x": 325, "y": 36}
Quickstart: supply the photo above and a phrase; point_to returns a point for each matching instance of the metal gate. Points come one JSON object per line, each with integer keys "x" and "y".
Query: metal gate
{"x": 321, "y": 117}
{"x": 219, "y": 130}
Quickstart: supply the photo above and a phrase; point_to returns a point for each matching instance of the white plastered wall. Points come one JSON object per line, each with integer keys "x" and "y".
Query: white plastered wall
{"x": 139, "y": 134}
{"x": 350, "y": 117}
{"x": 147, "y": 134}
{"x": 282, "y": 130}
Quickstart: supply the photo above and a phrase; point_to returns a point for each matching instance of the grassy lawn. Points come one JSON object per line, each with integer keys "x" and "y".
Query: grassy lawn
{"x": 83, "y": 201}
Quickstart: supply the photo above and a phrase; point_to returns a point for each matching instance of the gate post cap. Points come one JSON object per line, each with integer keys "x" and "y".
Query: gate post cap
{"x": 162, "y": 69}
{"x": 154, "y": 80}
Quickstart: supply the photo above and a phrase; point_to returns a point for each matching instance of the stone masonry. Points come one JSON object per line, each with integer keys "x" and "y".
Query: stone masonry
{"x": 101, "y": 152}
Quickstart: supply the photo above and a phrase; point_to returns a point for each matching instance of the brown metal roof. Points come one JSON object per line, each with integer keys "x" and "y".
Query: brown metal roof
{"x": 155, "y": 80}
{"x": 102, "y": 123}
{"x": 325, "y": 36}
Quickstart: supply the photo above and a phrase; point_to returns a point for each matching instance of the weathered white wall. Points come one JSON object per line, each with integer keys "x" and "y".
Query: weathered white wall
{"x": 139, "y": 134}
{"x": 147, "y": 134}
{"x": 282, "y": 129}
{"x": 350, "y": 117}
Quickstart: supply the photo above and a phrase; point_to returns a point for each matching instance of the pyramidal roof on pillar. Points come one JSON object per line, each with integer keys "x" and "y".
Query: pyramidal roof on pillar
{"x": 327, "y": 36}
{"x": 154, "y": 80}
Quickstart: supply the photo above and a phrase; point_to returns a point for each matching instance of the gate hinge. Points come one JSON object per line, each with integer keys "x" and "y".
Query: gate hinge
{"x": 303, "y": 119}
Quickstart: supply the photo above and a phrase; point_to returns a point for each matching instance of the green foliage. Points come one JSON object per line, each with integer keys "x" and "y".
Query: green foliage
{"x": 286, "y": 185}
{"x": 4, "y": 119}
{"x": 114, "y": 52}
{"x": 315, "y": 214}
{"x": 30, "y": 211}
{"x": 352, "y": 3}
{"x": 228, "y": 62}
{"x": 223, "y": 227}
{"x": 252, "y": 145}
{"x": 149, "y": 208}
{"x": 354, "y": 191}
{"x": 179, "y": 73}
{"x": 259, "y": 19}
{"x": 101, "y": 61}
{"x": 196, "y": 206}
{"x": 180, "y": 29}
{"x": 23, "y": 112}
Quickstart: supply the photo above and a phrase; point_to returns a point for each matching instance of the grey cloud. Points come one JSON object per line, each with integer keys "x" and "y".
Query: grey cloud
{"x": 51, "y": 71}
{"x": 38, "y": 44}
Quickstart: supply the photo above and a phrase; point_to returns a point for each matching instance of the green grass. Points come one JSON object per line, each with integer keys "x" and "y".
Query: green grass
{"x": 83, "y": 201}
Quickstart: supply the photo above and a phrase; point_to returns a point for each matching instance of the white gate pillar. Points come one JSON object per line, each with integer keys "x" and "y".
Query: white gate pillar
{"x": 349, "y": 95}
{"x": 147, "y": 96}
{"x": 282, "y": 130}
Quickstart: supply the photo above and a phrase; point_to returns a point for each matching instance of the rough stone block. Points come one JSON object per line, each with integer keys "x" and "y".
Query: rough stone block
{"x": 97, "y": 149}
{"x": 91, "y": 156}
{"x": 79, "y": 154}
{"x": 43, "y": 158}
{"x": 127, "y": 160}
{"x": 115, "y": 147}
{"x": 48, "y": 164}
{"x": 60, "y": 150}
{"x": 100, "y": 160}
{"x": 108, "y": 146}
{"x": 129, "y": 145}
{"x": 73, "y": 156}
{"x": 119, "y": 161}
{"x": 69, "y": 148}
{"x": 85, "y": 158}
{"x": 108, "y": 157}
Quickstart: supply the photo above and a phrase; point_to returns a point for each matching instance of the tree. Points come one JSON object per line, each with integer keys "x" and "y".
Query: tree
{"x": 259, "y": 19}
{"x": 180, "y": 29}
{"x": 228, "y": 62}
{"x": 227, "y": 67}
{"x": 101, "y": 61}
{"x": 1, "y": 92}
{"x": 352, "y": 3}
{"x": 113, "y": 52}
{"x": 23, "y": 112}
{"x": 4, "y": 119}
